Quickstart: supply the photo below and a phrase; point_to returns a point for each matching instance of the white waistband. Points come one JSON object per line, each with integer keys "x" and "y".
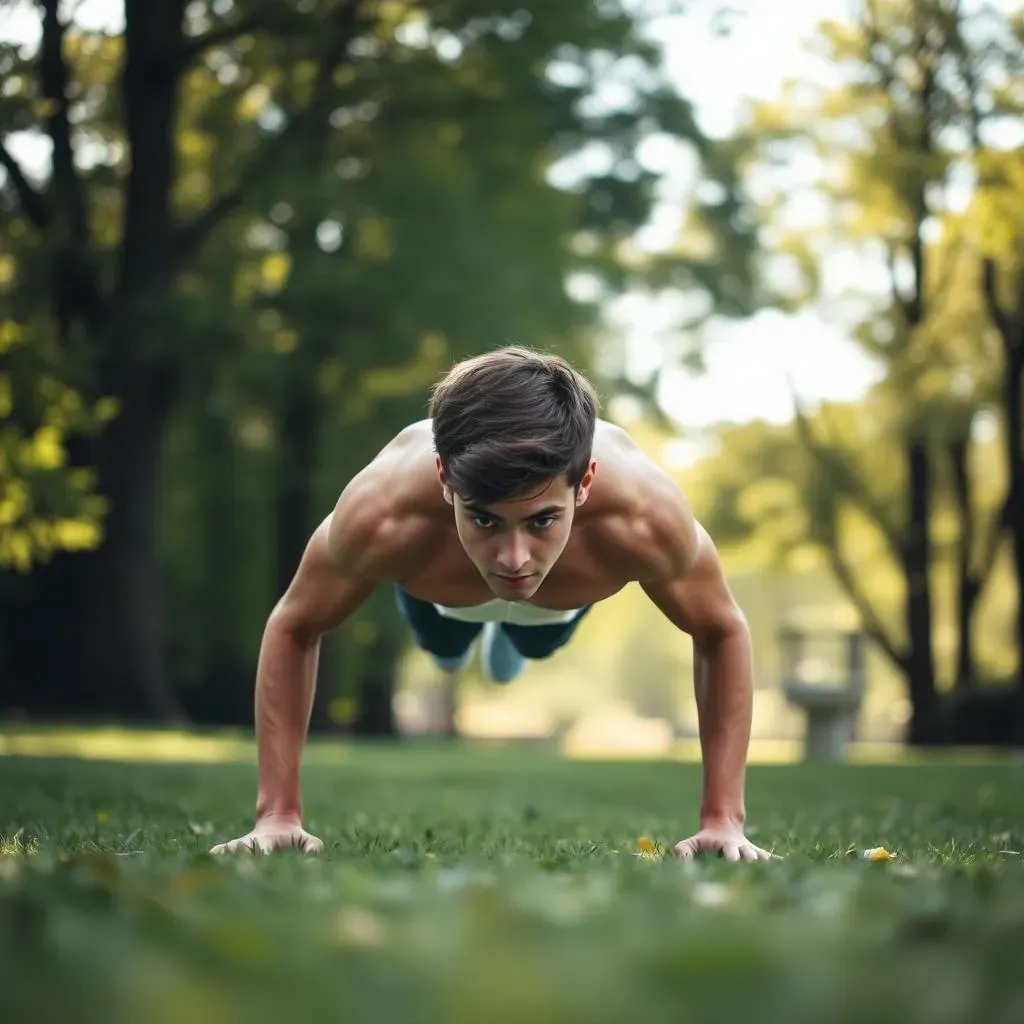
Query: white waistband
{"x": 515, "y": 613}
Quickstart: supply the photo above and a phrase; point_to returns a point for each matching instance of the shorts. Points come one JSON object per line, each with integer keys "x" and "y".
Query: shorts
{"x": 451, "y": 638}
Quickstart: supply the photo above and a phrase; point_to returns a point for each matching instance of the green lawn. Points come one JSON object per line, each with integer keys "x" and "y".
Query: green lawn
{"x": 468, "y": 886}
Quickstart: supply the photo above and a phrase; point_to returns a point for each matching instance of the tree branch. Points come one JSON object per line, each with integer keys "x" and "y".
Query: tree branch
{"x": 995, "y": 309}
{"x": 192, "y": 234}
{"x": 69, "y": 200}
{"x": 31, "y": 201}
{"x": 982, "y": 569}
{"x": 841, "y": 568}
{"x": 850, "y": 483}
{"x": 874, "y": 35}
{"x": 870, "y": 619}
{"x": 272, "y": 17}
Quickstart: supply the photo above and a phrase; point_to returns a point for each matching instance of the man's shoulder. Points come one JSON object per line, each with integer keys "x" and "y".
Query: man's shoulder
{"x": 383, "y": 511}
{"x": 642, "y": 512}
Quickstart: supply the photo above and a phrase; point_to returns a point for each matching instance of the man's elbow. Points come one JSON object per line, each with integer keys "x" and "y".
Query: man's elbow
{"x": 287, "y": 623}
{"x": 727, "y": 625}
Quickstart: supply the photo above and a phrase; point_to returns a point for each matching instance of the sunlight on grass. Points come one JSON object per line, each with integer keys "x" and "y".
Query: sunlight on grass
{"x": 152, "y": 746}
{"x": 791, "y": 751}
{"x": 127, "y": 745}
{"x": 156, "y": 746}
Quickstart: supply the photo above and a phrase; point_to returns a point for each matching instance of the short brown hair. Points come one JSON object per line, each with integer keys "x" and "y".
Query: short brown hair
{"x": 507, "y": 422}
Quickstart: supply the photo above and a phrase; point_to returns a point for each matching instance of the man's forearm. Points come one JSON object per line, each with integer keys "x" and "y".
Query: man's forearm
{"x": 723, "y": 681}
{"x": 285, "y": 684}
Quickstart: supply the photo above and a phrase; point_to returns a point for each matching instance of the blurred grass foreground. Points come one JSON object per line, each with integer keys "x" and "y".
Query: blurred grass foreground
{"x": 465, "y": 883}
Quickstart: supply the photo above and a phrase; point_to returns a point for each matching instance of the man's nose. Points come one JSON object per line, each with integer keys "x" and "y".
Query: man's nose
{"x": 514, "y": 555}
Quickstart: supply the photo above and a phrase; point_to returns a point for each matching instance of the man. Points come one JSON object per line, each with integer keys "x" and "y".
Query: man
{"x": 510, "y": 512}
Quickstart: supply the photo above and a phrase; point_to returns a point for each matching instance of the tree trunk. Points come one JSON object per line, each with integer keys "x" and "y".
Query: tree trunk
{"x": 297, "y": 460}
{"x": 376, "y": 716}
{"x": 298, "y": 447}
{"x": 968, "y": 586}
{"x": 924, "y": 722}
{"x": 122, "y": 592}
{"x": 1015, "y": 468}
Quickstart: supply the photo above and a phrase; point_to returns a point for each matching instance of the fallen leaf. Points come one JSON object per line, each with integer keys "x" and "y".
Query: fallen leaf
{"x": 648, "y": 850}
{"x": 877, "y": 853}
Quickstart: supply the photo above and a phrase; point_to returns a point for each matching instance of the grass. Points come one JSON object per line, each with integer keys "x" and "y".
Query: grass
{"x": 476, "y": 885}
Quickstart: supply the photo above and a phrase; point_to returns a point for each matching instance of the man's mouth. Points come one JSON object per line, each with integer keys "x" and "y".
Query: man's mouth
{"x": 514, "y": 581}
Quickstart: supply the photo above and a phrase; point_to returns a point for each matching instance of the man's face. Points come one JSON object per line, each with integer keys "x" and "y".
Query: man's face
{"x": 514, "y": 544}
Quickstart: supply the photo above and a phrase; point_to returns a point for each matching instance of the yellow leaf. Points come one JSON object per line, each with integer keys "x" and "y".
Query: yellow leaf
{"x": 14, "y": 502}
{"x": 47, "y": 448}
{"x": 76, "y": 534}
{"x": 16, "y": 550}
{"x": 648, "y": 849}
{"x": 10, "y": 335}
{"x": 274, "y": 271}
{"x": 878, "y": 853}
{"x": 253, "y": 102}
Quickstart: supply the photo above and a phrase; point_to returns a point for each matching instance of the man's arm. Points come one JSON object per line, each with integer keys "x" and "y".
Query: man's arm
{"x": 698, "y": 600}
{"x": 320, "y": 597}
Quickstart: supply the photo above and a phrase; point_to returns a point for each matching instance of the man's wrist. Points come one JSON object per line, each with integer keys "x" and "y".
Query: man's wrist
{"x": 722, "y": 817}
{"x": 282, "y": 809}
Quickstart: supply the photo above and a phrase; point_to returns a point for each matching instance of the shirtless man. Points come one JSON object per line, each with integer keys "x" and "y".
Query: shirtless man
{"x": 510, "y": 512}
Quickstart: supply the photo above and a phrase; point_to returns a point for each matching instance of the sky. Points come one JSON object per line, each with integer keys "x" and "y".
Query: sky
{"x": 749, "y": 365}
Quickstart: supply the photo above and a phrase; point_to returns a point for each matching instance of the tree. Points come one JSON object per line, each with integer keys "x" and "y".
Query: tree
{"x": 274, "y": 129}
{"x": 990, "y": 75}
{"x": 890, "y": 141}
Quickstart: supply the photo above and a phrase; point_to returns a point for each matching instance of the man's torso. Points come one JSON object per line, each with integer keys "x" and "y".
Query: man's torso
{"x": 614, "y": 538}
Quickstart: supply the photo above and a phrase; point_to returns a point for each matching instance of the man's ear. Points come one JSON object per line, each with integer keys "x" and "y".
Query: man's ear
{"x": 583, "y": 491}
{"x": 445, "y": 488}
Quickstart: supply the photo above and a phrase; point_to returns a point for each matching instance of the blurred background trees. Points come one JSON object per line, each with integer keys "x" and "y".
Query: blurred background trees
{"x": 240, "y": 240}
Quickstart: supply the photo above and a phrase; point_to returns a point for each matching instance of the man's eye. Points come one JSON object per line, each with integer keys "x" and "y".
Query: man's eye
{"x": 544, "y": 523}
{"x": 482, "y": 522}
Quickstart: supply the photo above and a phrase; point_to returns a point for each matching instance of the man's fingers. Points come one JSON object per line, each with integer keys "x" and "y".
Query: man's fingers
{"x": 266, "y": 844}
{"x": 687, "y": 848}
{"x": 731, "y": 851}
{"x": 230, "y": 847}
{"x": 749, "y": 852}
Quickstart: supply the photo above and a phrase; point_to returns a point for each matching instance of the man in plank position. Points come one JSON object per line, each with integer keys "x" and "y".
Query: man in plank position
{"x": 508, "y": 513}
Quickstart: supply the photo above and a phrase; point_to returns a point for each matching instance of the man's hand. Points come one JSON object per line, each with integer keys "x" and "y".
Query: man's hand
{"x": 273, "y": 833}
{"x": 726, "y": 840}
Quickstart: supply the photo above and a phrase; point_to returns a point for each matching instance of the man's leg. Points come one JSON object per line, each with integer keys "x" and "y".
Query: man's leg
{"x": 448, "y": 641}
{"x": 506, "y": 648}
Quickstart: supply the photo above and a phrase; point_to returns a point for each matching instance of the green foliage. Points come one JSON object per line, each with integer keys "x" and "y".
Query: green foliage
{"x": 893, "y": 142}
{"x": 498, "y": 885}
{"x": 334, "y": 202}
{"x": 46, "y": 505}
{"x": 775, "y": 506}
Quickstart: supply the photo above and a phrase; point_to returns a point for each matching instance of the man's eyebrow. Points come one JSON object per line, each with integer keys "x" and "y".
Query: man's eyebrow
{"x": 482, "y": 510}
